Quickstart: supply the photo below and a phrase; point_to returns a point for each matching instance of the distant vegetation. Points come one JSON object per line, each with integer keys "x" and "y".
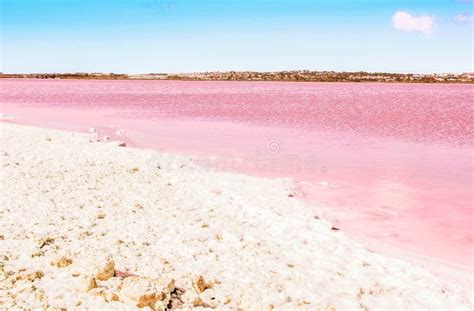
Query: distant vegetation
{"x": 77, "y": 75}
{"x": 294, "y": 76}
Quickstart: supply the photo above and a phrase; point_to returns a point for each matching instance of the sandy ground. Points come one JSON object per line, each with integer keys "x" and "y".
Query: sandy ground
{"x": 86, "y": 224}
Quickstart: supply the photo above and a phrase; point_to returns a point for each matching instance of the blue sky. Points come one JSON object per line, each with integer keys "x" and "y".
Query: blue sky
{"x": 142, "y": 36}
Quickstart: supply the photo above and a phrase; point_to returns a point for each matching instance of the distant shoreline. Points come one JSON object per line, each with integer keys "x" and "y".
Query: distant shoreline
{"x": 281, "y": 76}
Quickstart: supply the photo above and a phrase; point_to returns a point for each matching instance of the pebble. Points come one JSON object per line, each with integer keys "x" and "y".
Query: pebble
{"x": 86, "y": 283}
{"x": 104, "y": 270}
{"x": 200, "y": 284}
{"x": 146, "y": 292}
{"x": 62, "y": 262}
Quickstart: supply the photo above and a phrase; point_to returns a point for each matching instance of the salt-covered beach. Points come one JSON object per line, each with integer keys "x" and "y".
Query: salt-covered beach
{"x": 88, "y": 224}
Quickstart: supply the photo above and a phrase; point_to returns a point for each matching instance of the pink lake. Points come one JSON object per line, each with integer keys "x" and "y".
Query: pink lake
{"x": 390, "y": 164}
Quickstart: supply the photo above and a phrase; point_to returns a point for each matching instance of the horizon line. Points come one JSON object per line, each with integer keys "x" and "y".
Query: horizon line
{"x": 238, "y": 71}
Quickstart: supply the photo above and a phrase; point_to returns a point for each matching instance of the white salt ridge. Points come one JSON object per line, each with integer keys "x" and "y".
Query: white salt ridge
{"x": 78, "y": 205}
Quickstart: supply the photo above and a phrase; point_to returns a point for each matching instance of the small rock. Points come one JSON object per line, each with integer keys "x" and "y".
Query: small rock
{"x": 30, "y": 276}
{"x": 105, "y": 138}
{"x": 303, "y": 302}
{"x": 86, "y": 283}
{"x": 176, "y": 300}
{"x": 144, "y": 292}
{"x": 174, "y": 303}
{"x": 92, "y": 130}
{"x": 105, "y": 270}
{"x": 107, "y": 294}
{"x": 45, "y": 241}
{"x": 62, "y": 262}
{"x": 201, "y": 285}
{"x": 134, "y": 170}
{"x": 199, "y": 303}
{"x": 37, "y": 254}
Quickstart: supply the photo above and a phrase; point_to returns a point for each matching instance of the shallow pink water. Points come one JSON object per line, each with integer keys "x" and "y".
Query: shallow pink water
{"x": 389, "y": 163}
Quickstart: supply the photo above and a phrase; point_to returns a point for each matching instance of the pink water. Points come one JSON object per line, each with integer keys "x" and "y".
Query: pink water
{"x": 390, "y": 163}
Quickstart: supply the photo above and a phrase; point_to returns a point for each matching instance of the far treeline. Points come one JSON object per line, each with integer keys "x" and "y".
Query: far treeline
{"x": 290, "y": 76}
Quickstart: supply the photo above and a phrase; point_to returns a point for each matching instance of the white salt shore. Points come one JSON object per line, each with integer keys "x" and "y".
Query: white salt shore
{"x": 78, "y": 217}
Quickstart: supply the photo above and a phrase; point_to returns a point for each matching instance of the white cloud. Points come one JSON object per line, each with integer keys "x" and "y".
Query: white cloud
{"x": 406, "y": 22}
{"x": 463, "y": 18}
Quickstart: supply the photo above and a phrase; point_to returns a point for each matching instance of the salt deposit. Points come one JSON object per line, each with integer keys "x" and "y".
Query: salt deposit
{"x": 91, "y": 225}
